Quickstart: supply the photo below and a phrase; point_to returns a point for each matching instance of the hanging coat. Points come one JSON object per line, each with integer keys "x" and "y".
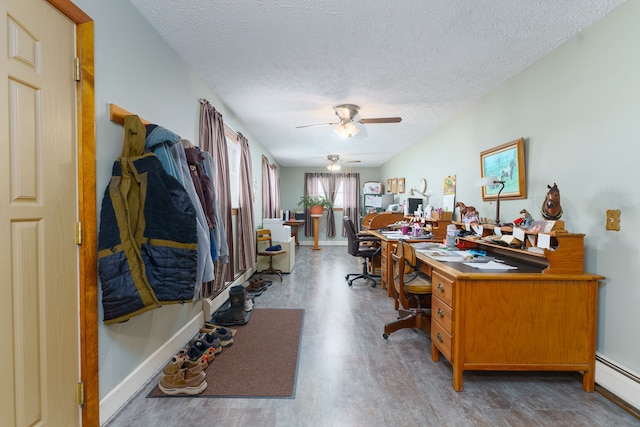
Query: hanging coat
{"x": 147, "y": 243}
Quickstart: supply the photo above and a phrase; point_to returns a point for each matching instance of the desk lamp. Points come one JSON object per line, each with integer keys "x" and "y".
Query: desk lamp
{"x": 490, "y": 181}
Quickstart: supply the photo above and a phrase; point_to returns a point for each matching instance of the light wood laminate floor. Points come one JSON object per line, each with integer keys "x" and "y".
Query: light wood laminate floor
{"x": 348, "y": 375}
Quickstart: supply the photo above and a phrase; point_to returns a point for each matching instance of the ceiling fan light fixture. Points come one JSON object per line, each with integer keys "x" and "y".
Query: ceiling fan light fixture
{"x": 333, "y": 167}
{"x": 346, "y": 130}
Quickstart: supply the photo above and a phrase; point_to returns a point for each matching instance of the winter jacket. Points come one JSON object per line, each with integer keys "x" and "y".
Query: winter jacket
{"x": 147, "y": 243}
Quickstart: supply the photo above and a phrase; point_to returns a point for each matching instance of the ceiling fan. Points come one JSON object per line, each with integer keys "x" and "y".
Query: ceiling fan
{"x": 347, "y": 113}
{"x": 334, "y": 164}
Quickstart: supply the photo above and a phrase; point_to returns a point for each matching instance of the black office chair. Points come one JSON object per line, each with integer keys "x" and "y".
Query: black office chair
{"x": 362, "y": 246}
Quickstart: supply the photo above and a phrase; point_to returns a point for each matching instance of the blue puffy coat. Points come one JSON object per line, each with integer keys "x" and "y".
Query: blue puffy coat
{"x": 147, "y": 244}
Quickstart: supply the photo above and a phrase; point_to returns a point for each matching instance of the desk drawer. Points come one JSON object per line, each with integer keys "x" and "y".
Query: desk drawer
{"x": 442, "y": 288}
{"x": 442, "y": 313}
{"x": 442, "y": 340}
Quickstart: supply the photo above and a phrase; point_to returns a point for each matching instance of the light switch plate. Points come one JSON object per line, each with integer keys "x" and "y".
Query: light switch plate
{"x": 613, "y": 219}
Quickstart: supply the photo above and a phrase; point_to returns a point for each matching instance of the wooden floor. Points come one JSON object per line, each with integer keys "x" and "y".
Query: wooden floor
{"x": 349, "y": 375}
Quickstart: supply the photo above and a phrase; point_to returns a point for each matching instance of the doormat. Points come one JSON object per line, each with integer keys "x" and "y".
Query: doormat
{"x": 262, "y": 361}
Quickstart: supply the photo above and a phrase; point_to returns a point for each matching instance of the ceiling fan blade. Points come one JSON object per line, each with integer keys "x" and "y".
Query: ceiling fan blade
{"x": 317, "y": 124}
{"x": 381, "y": 120}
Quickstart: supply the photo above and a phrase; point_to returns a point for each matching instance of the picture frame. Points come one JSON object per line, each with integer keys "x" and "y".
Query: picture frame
{"x": 387, "y": 186}
{"x": 506, "y": 163}
{"x": 394, "y": 185}
{"x": 400, "y": 185}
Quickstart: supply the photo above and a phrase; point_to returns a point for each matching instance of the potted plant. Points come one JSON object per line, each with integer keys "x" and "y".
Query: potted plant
{"x": 315, "y": 203}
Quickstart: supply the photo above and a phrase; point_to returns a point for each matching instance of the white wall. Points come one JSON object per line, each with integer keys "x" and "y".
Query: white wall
{"x": 578, "y": 110}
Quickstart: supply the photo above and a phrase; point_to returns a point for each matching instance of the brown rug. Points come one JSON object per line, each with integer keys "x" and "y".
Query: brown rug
{"x": 261, "y": 362}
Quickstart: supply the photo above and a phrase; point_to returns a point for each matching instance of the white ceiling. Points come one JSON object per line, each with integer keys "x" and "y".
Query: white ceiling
{"x": 278, "y": 64}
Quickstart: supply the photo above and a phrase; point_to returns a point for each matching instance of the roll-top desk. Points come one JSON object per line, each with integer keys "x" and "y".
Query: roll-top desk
{"x": 540, "y": 317}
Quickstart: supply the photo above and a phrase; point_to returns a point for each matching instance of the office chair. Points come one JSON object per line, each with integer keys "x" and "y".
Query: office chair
{"x": 411, "y": 290}
{"x": 263, "y": 236}
{"x": 360, "y": 245}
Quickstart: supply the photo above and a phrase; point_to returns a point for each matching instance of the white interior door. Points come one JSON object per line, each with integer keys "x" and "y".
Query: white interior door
{"x": 39, "y": 345}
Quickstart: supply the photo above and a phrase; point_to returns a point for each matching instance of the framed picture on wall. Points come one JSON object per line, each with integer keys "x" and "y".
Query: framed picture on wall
{"x": 400, "y": 185}
{"x": 387, "y": 186}
{"x": 394, "y": 185}
{"x": 505, "y": 163}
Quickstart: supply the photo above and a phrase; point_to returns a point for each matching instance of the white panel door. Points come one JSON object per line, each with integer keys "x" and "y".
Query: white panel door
{"x": 39, "y": 344}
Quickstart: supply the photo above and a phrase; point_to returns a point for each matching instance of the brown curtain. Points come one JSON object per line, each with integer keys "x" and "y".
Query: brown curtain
{"x": 270, "y": 190}
{"x": 330, "y": 183}
{"x": 351, "y": 199}
{"x": 309, "y": 189}
{"x": 213, "y": 141}
{"x": 246, "y": 223}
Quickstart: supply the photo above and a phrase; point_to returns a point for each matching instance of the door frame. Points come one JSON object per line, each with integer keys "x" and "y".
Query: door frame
{"x": 86, "y": 191}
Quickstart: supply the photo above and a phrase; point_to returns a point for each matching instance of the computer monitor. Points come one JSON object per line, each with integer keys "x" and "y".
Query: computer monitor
{"x": 411, "y": 204}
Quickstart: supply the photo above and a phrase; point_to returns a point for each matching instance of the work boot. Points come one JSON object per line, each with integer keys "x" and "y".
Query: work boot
{"x": 235, "y": 313}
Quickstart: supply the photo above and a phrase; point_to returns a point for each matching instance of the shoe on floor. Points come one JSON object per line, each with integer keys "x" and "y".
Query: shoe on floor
{"x": 210, "y": 327}
{"x": 248, "y": 304}
{"x": 183, "y": 382}
{"x": 179, "y": 362}
{"x": 211, "y": 339}
{"x": 223, "y": 335}
{"x": 207, "y": 348}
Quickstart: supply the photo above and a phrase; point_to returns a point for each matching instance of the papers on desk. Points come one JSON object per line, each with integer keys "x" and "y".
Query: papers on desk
{"x": 491, "y": 265}
{"x": 446, "y": 256}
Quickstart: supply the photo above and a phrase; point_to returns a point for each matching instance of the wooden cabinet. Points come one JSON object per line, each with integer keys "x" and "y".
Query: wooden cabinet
{"x": 541, "y": 317}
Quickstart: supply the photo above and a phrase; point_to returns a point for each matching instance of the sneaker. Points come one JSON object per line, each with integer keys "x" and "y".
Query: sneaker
{"x": 196, "y": 354}
{"x": 183, "y": 382}
{"x": 212, "y": 339}
{"x": 178, "y": 362}
{"x": 248, "y": 304}
{"x": 223, "y": 335}
{"x": 208, "y": 348}
{"x": 210, "y": 327}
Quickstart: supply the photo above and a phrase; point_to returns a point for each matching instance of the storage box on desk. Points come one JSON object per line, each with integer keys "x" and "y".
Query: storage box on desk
{"x": 441, "y": 216}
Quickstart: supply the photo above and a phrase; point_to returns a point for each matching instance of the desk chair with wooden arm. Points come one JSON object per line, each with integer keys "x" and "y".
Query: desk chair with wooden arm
{"x": 411, "y": 291}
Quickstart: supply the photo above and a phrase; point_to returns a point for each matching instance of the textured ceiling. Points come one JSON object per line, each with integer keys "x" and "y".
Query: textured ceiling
{"x": 279, "y": 64}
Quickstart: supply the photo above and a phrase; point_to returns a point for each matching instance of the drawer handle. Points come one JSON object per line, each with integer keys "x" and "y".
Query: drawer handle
{"x": 439, "y": 336}
{"x": 440, "y": 313}
{"x": 440, "y": 287}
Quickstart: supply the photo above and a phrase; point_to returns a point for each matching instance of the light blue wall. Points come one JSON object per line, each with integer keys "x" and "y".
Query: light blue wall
{"x": 137, "y": 70}
{"x": 578, "y": 110}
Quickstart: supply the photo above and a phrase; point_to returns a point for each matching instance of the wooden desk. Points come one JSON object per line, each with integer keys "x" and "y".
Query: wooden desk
{"x": 295, "y": 223}
{"x": 316, "y": 219}
{"x": 530, "y": 319}
{"x": 386, "y": 263}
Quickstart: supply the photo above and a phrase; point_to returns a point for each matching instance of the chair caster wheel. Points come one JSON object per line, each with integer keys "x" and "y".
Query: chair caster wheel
{"x": 385, "y": 336}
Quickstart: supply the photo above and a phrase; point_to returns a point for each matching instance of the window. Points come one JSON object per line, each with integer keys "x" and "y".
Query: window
{"x": 233, "y": 155}
{"x": 338, "y": 203}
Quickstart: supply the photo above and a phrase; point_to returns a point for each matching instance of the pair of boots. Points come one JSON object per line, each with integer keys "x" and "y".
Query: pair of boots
{"x": 233, "y": 312}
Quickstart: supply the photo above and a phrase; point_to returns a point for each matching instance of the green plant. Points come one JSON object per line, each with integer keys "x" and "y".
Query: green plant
{"x": 308, "y": 201}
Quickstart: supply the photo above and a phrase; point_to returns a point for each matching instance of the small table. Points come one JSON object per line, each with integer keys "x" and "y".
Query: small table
{"x": 316, "y": 219}
{"x": 295, "y": 223}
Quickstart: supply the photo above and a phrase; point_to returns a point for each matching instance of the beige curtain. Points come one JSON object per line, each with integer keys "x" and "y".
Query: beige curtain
{"x": 213, "y": 141}
{"x": 246, "y": 223}
{"x": 330, "y": 183}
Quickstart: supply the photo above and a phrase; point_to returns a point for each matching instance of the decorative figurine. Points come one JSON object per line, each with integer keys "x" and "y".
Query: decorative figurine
{"x": 525, "y": 219}
{"x": 467, "y": 213}
{"x": 551, "y": 208}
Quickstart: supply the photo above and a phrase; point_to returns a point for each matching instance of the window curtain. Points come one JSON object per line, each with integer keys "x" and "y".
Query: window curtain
{"x": 351, "y": 199}
{"x": 330, "y": 183}
{"x": 246, "y": 223}
{"x": 214, "y": 142}
{"x": 270, "y": 190}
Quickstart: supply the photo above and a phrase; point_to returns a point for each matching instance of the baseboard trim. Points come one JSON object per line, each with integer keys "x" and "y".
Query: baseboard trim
{"x": 620, "y": 382}
{"x": 118, "y": 397}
